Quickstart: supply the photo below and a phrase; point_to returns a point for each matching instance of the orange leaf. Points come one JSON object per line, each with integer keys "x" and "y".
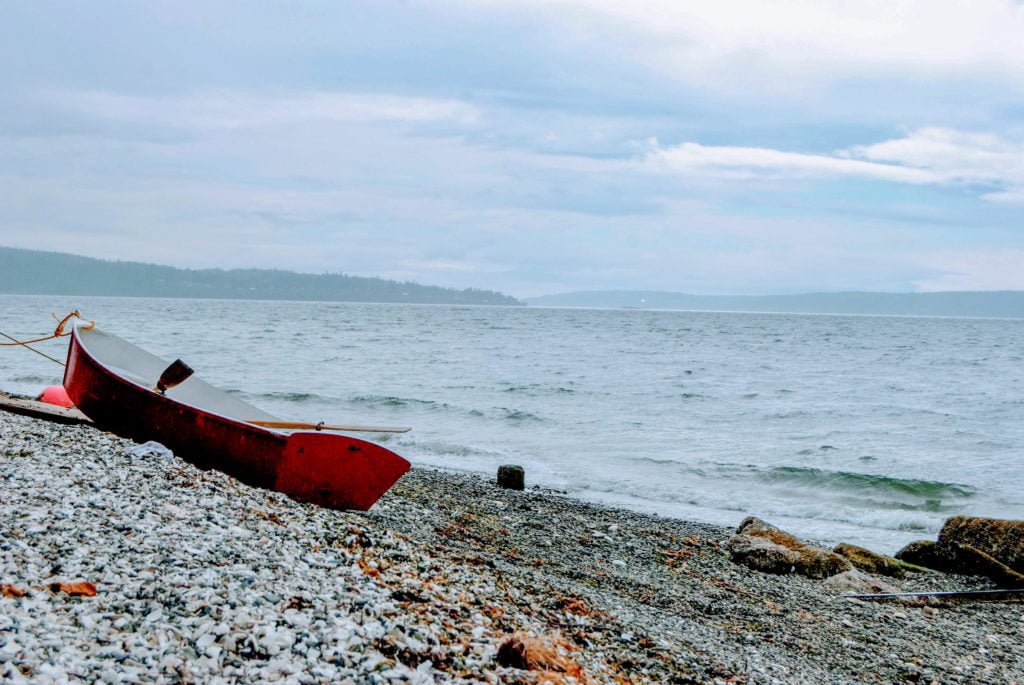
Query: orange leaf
{"x": 368, "y": 570}
{"x": 573, "y": 605}
{"x": 545, "y": 654}
{"x": 11, "y": 591}
{"x": 82, "y": 589}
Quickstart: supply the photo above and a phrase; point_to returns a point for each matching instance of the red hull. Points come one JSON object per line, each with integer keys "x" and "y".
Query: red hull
{"x": 331, "y": 470}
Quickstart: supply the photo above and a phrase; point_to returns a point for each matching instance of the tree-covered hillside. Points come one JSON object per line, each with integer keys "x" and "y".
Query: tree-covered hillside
{"x": 55, "y": 273}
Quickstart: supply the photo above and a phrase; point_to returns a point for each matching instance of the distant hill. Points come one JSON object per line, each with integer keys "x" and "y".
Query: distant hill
{"x": 54, "y": 273}
{"x": 1001, "y": 304}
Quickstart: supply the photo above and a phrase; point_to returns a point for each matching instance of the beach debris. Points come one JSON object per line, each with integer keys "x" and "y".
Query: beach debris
{"x": 151, "y": 448}
{"x": 1014, "y": 595}
{"x": 575, "y": 606}
{"x": 992, "y": 548}
{"x": 511, "y": 477}
{"x": 872, "y": 562}
{"x": 80, "y": 589}
{"x": 544, "y": 653}
{"x": 763, "y": 547}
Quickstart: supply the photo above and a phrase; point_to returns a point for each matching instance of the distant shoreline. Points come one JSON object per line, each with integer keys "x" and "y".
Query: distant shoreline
{"x": 778, "y": 313}
{"x": 35, "y": 272}
{"x": 258, "y": 300}
{"x": 1004, "y": 304}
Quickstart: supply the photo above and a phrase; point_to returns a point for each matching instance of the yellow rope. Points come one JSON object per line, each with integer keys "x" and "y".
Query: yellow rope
{"x": 58, "y": 332}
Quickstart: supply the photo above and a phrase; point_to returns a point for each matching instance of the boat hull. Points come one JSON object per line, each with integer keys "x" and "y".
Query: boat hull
{"x": 331, "y": 470}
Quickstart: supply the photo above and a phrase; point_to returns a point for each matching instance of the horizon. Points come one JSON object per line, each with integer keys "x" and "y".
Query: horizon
{"x": 525, "y": 300}
{"x": 748, "y": 148}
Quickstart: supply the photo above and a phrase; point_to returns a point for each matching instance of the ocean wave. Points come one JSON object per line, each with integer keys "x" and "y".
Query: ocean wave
{"x": 495, "y": 413}
{"x": 879, "y": 489}
{"x": 32, "y": 379}
{"x": 538, "y": 390}
{"x": 448, "y": 449}
{"x": 517, "y": 415}
{"x": 298, "y": 397}
{"x": 392, "y": 401}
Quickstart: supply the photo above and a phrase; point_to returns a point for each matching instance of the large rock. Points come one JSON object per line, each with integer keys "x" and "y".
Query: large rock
{"x": 763, "y": 547}
{"x": 961, "y": 558}
{"x": 762, "y": 554}
{"x": 998, "y": 538}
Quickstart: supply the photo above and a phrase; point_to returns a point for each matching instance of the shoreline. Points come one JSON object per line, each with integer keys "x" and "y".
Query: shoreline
{"x": 199, "y": 577}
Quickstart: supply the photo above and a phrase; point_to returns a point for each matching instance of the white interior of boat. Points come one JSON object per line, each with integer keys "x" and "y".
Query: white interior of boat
{"x": 142, "y": 368}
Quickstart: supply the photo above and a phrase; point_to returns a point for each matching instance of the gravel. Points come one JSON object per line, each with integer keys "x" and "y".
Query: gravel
{"x": 121, "y": 566}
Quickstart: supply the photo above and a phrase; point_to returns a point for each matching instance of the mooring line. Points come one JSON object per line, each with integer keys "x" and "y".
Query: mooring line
{"x": 29, "y": 347}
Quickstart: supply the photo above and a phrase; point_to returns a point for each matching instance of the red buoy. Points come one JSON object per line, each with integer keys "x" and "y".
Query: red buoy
{"x": 55, "y": 394}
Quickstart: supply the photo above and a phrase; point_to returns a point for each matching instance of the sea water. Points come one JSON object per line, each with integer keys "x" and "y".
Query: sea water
{"x": 870, "y": 430}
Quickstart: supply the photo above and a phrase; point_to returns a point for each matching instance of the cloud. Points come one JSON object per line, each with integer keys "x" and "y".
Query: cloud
{"x": 230, "y": 109}
{"x": 1013, "y": 197}
{"x": 952, "y": 155}
{"x": 927, "y": 156}
{"x": 799, "y": 41}
{"x": 751, "y": 162}
{"x": 805, "y": 145}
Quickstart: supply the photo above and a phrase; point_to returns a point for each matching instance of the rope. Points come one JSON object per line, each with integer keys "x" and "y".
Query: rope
{"x": 58, "y": 332}
{"x": 41, "y": 354}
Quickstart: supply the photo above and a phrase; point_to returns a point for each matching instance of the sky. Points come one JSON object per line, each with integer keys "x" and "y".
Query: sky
{"x": 528, "y": 146}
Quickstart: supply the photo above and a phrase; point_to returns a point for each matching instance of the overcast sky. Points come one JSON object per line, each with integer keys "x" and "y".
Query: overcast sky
{"x": 528, "y": 146}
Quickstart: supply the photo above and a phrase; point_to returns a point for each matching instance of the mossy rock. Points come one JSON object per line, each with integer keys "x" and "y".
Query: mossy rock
{"x": 872, "y": 562}
{"x": 1001, "y": 539}
{"x": 962, "y": 559}
{"x": 924, "y": 553}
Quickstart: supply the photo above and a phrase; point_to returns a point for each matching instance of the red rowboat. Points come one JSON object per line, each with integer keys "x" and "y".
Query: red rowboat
{"x": 114, "y": 383}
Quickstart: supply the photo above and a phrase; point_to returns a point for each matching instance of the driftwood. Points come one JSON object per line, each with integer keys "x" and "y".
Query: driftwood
{"x": 41, "y": 410}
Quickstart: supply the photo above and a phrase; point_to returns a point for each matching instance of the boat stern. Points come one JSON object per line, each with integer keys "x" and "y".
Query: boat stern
{"x": 337, "y": 471}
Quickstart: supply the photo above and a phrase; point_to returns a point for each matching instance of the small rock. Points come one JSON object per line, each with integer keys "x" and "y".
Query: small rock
{"x": 858, "y": 582}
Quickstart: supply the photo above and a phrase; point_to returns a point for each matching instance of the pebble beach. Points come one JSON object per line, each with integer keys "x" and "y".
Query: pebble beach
{"x": 127, "y": 565}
